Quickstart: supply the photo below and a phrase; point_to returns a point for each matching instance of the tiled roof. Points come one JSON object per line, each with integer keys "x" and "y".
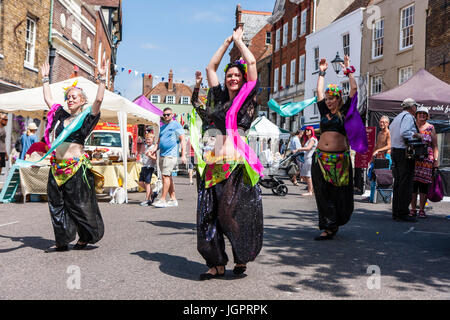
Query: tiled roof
{"x": 355, "y": 5}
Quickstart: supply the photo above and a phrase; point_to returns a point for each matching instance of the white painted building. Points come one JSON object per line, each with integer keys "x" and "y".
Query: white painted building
{"x": 343, "y": 36}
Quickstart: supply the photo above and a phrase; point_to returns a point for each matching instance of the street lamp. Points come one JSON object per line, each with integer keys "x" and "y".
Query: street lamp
{"x": 337, "y": 63}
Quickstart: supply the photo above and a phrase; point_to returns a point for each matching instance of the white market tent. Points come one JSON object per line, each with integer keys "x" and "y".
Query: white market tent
{"x": 264, "y": 129}
{"x": 115, "y": 108}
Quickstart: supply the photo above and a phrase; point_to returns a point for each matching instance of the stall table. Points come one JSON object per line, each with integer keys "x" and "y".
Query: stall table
{"x": 33, "y": 180}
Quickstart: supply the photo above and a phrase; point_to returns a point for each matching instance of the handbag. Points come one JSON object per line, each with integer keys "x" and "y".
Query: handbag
{"x": 436, "y": 187}
{"x": 416, "y": 149}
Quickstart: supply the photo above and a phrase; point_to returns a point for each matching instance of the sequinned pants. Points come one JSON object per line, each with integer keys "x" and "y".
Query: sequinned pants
{"x": 234, "y": 209}
{"x": 334, "y": 204}
{"x": 74, "y": 208}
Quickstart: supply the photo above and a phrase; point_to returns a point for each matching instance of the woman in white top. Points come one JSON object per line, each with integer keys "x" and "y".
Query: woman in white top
{"x": 310, "y": 142}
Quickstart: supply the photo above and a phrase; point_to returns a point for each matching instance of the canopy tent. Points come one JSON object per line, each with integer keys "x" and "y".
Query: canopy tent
{"x": 423, "y": 87}
{"x": 263, "y": 127}
{"x": 261, "y": 130}
{"x": 115, "y": 108}
{"x": 30, "y": 102}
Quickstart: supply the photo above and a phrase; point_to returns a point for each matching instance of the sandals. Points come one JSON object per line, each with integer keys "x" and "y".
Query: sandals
{"x": 422, "y": 214}
{"x": 208, "y": 276}
{"x": 412, "y": 213}
{"x": 239, "y": 270}
{"x": 79, "y": 246}
{"x": 329, "y": 235}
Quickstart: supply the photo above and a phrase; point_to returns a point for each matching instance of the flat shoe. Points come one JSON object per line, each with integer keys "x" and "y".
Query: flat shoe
{"x": 239, "y": 270}
{"x": 209, "y": 276}
{"x": 78, "y": 246}
{"x": 57, "y": 249}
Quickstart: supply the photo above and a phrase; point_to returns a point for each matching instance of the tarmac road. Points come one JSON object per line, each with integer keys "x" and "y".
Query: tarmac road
{"x": 150, "y": 253}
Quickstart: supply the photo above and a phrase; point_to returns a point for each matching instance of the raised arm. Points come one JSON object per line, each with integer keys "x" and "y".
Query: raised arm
{"x": 101, "y": 88}
{"x": 252, "y": 71}
{"x": 213, "y": 65}
{"x": 45, "y": 71}
{"x": 323, "y": 66}
{"x": 353, "y": 85}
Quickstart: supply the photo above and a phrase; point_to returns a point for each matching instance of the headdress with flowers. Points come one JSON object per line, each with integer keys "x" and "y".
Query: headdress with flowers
{"x": 334, "y": 89}
{"x": 241, "y": 64}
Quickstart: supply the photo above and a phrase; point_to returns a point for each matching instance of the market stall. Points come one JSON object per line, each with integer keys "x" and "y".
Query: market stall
{"x": 263, "y": 132}
{"x": 115, "y": 108}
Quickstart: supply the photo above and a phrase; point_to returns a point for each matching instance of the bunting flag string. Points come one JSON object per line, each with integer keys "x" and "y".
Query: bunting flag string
{"x": 136, "y": 73}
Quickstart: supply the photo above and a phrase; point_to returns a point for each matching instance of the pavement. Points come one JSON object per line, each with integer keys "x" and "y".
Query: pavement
{"x": 150, "y": 253}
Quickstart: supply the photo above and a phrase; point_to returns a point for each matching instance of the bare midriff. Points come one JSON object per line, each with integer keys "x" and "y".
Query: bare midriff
{"x": 224, "y": 147}
{"x": 331, "y": 141}
{"x": 68, "y": 150}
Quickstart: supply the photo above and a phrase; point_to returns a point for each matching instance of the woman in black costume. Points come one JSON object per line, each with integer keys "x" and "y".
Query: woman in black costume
{"x": 71, "y": 190}
{"x": 331, "y": 170}
{"x": 228, "y": 202}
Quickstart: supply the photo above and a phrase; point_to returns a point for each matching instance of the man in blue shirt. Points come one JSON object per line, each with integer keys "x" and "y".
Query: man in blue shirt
{"x": 403, "y": 128}
{"x": 171, "y": 132}
{"x": 28, "y": 138}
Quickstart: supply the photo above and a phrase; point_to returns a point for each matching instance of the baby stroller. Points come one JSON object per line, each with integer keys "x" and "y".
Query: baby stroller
{"x": 275, "y": 171}
{"x": 381, "y": 181}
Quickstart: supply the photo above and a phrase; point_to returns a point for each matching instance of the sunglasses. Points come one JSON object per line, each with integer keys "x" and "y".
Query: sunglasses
{"x": 167, "y": 114}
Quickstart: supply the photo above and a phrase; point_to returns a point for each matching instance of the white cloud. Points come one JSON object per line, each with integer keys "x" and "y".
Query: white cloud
{"x": 149, "y": 46}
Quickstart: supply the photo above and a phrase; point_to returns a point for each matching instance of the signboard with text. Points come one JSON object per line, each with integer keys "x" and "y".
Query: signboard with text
{"x": 363, "y": 160}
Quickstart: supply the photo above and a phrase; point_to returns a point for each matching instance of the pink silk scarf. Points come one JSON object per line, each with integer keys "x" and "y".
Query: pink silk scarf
{"x": 50, "y": 116}
{"x": 232, "y": 130}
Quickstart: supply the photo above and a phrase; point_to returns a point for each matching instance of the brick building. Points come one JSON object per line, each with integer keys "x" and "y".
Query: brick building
{"x": 437, "y": 48}
{"x": 292, "y": 21}
{"x": 23, "y": 43}
{"x": 177, "y": 96}
{"x": 109, "y": 33}
{"x": 83, "y": 33}
{"x": 257, "y": 36}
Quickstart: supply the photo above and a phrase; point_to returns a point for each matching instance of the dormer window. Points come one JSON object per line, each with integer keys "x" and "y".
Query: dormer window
{"x": 170, "y": 99}
{"x": 155, "y": 98}
{"x": 185, "y": 100}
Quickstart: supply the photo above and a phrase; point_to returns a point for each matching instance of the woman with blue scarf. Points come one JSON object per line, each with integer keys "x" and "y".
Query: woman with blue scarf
{"x": 71, "y": 190}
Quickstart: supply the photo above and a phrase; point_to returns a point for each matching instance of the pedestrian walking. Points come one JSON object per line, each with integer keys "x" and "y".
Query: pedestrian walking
{"x": 403, "y": 128}
{"x": 309, "y": 141}
{"x": 3, "y": 154}
{"x": 28, "y": 138}
{"x": 295, "y": 146}
{"x": 71, "y": 188}
{"x": 331, "y": 171}
{"x": 148, "y": 168}
{"x": 170, "y": 134}
{"x": 229, "y": 199}
{"x": 423, "y": 171}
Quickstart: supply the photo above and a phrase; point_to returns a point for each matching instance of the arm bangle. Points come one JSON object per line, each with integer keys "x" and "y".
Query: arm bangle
{"x": 322, "y": 73}
{"x": 45, "y": 79}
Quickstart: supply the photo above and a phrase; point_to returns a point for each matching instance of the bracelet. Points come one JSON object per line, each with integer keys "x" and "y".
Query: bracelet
{"x": 349, "y": 70}
{"x": 322, "y": 73}
{"x": 45, "y": 79}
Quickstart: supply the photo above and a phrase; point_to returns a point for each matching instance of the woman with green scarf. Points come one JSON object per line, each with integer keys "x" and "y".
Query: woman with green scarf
{"x": 71, "y": 190}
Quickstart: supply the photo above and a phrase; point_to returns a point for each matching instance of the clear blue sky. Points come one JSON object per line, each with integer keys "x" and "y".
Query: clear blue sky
{"x": 181, "y": 35}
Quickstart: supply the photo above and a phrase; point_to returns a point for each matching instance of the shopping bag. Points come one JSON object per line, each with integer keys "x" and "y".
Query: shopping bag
{"x": 436, "y": 187}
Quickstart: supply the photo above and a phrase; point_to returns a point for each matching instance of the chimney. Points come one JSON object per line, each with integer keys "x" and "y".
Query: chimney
{"x": 170, "y": 85}
{"x": 147, "y": 84}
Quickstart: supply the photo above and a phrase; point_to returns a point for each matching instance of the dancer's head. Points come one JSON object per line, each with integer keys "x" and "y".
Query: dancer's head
{"x": 76, "y": 98}
{"x": 333, "y": 97}
{"x": 235, "y": 75}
